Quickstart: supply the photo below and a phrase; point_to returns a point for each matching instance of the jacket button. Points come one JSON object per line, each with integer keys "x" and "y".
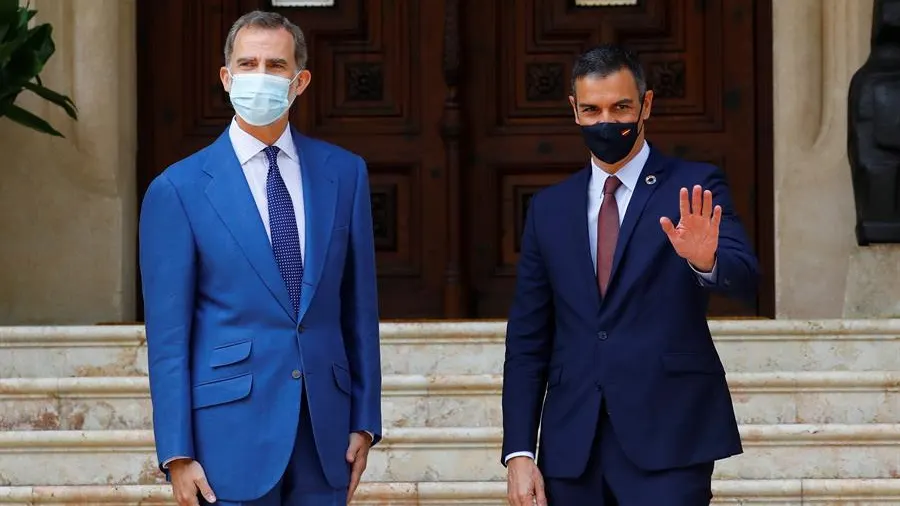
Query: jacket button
{"x": 602, "y": 335}
{"x": 296, "y": 374}
{"x": 300, "y": 328}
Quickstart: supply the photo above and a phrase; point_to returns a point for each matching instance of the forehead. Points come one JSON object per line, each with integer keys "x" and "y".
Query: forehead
{"x": 256, "y": 42}
{"x": 617, "y": 86}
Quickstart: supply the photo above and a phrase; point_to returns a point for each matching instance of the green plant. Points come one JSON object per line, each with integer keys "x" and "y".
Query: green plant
{"x": 23, "y": 53}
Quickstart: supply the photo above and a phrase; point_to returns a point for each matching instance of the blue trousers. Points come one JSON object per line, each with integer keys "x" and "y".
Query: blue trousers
{"x": 304, "y": 482}
{"x": 612, "y": 479}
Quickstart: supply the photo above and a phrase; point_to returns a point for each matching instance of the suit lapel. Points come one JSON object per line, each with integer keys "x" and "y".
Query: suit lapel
{"x": 577, "y": 213}
{"x": 642, "y": 192}
{"x": 320, "y": 191}
{"x": 229, "y": 194}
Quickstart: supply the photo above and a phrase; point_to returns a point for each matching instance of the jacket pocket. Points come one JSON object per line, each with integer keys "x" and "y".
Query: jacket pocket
{"x": 341, "y": 378}
{"x": 231, "y": 353}
{"x": 222, "y": 391}
{"x": 701, "y": 363}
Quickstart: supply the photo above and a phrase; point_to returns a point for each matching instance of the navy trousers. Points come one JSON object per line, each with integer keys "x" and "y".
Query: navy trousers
{"x": 304, "y": 482}
{"x": 612, "y": 479}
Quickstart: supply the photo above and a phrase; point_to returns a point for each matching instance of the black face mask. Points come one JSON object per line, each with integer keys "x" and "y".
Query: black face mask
{"x": 611, "y": 142}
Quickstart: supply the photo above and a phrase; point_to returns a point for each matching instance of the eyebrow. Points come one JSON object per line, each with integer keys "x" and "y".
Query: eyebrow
{"x": 269, "y": 61}
{"x": 624, "y": 101}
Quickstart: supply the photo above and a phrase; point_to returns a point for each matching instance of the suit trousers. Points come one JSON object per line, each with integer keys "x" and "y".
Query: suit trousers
{"x": 612, "y": 479}
{"x": 304, "y": 482}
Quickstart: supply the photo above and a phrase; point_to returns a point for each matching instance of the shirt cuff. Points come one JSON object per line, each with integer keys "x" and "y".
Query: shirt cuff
{"x": 165, "y": 465}
{"x": 709, "y": 277}
{"x": 518, "y": 454}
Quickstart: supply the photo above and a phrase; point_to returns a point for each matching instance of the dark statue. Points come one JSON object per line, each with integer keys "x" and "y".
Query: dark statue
{"x": 874, "y": 131}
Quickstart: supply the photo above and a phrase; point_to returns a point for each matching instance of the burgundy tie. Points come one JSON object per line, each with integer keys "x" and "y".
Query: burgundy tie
{"x": 607, "y": 232}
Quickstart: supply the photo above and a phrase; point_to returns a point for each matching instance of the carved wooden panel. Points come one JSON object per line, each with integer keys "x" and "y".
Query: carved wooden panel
{"x": 460, "y": 111}
{"x": 371, "y": 62}
{"x": 698, "y": 58}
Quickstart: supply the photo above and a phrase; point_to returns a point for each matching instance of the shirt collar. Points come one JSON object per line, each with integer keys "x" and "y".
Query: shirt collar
{"x": 628, "y": 174}
{"x": 246, "y": 146}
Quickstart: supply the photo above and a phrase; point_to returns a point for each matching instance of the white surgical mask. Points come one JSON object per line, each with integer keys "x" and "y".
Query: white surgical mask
{"x": 260, "y": 99}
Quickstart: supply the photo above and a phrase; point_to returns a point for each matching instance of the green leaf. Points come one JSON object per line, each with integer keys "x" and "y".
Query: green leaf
{"x": 9, "y": 48}
{"x": 8, "y": 10}
{"x": 29, "y": 59}
{"x": 29, "y": 120}
{"x": 55, "y": 98}
{"x": 9, "y": 93}
{"x": 24, "y": 52}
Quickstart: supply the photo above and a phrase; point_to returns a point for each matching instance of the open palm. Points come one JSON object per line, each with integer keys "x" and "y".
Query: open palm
{"x": 696, "y": 237}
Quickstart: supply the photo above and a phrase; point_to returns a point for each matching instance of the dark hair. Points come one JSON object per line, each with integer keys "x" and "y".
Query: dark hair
{"x": 271, "y": 21}
{"x": 606, "y": 59}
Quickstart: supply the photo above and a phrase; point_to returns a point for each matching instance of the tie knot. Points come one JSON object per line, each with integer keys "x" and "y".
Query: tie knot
{"x": 272, "y": 154}
{"x": 611, "y": 185}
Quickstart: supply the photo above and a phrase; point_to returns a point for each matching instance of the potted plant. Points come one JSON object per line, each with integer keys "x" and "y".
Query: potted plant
{"x": 23, "y": 53}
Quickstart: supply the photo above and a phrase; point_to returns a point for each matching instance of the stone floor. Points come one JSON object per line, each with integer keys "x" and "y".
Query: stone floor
{"x": 817, "y": 401}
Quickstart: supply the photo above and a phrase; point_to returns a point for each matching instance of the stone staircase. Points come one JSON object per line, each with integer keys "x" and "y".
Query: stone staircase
{"x": 818, "y": 404}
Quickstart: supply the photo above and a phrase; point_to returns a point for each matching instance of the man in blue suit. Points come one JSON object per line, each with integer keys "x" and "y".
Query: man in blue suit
{"x": 608, "y": 347}
{"x": 258, "y": 267}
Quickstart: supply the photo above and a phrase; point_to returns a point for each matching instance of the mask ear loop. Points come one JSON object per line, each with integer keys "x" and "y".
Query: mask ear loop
{"x": 290, "y": 84}
{"x": 641, "y": 114}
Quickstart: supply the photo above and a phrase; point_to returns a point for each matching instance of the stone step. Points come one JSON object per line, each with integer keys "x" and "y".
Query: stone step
{"x": 797, "y": 492}
{"x": 744, "y": 492}
{"x": 474, "y": 347}
{"x": 454, "y": 454}
{"x": 100, "y": 403}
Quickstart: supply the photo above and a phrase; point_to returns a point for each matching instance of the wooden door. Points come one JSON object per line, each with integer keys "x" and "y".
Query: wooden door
{"x": 459, "y": 107}
{"x": 700, "y": 58}
{"x": 377, "y": 89}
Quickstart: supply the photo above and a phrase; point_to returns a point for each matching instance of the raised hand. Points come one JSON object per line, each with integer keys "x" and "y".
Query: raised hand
{"x": 696, "y": 237}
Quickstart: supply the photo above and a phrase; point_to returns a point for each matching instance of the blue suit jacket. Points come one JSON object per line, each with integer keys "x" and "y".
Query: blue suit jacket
{"x": 645, "y": 348}
{"x": 222, "y": 339}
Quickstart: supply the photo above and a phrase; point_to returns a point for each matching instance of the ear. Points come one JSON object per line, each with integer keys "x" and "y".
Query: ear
{"x": 225, "y": 78}
{"x": 303, "y": 80}
{"x": 648, "y": 104}
{"x": 574, "y": 108}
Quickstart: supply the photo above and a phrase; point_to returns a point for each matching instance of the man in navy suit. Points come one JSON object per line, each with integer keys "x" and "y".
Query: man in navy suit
{"x": 609, "y": 315}
{"x": 258, "y": 267}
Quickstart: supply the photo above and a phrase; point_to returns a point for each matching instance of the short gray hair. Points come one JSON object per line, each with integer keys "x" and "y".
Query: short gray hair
{"x": 271, "y": 21}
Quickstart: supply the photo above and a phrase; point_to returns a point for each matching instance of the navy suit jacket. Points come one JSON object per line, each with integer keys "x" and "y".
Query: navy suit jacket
{"x": 644, "y": 349}
{"x": 222, "y": 338}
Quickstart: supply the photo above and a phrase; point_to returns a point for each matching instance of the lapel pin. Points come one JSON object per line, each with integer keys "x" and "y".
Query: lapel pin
{"x": 651, "y": 179}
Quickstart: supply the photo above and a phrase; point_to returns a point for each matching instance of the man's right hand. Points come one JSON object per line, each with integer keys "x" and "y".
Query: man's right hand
{"x": 187, "y": 478}
{"x": 524, "y": 484}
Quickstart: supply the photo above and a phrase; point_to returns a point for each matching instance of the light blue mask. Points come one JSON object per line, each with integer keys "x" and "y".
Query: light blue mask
{"x": 260, "y": 99}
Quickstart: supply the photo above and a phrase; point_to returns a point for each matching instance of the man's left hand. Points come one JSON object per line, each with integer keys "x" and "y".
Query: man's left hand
{"x": 696, "y": 237}
{"x": 357, "y": 455}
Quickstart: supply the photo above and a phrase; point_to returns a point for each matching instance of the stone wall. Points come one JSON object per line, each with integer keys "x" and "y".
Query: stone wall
{"x": 820, "y": 271}
{"x": 67, "y": 206}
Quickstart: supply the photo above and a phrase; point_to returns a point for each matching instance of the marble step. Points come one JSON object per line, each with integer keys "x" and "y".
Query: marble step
{"x": 99, "y": 403}
{"x": 473, "y": 347}
{"x": 454, "y": 454}
{"x": 805, "y": 492}
{"x": 796, "y": 492}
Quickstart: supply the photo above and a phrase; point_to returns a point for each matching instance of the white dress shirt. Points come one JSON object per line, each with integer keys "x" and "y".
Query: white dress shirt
{"x": 249, "y": 151}
{"x": 629, "y": 174}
